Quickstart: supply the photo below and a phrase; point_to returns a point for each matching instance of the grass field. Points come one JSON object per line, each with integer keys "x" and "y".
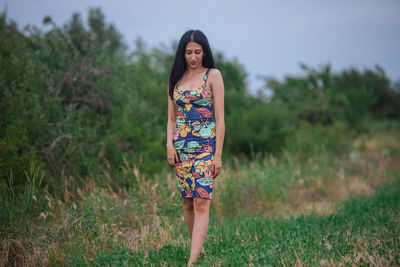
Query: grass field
{"x": 328, "y": 210}
{"x": 365, "y": 231}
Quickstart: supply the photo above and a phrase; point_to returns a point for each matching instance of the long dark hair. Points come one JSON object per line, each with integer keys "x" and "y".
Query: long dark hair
{"x": 179, "y": 64}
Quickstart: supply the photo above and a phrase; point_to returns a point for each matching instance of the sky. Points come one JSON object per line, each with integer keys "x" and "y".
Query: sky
{"x": 269, "y": 38}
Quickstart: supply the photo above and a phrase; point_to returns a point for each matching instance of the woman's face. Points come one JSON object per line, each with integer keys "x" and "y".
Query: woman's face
{"x": 194, "y": 55}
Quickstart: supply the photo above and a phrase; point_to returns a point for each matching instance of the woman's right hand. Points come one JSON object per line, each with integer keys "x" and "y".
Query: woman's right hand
{"x": 172, "y": 155}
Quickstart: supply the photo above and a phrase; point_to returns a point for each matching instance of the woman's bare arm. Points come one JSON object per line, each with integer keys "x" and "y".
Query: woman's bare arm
{"x": 217, "y": 86}
{"x": 171, "y": 152}
{"x": 171, "y": 119}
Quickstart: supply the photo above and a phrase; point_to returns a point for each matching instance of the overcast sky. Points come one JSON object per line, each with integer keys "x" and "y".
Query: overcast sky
{"x": 269, "y": 38}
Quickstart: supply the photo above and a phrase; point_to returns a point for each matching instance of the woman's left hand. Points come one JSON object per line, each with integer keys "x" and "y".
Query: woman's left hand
{"x": 217, "y": 166}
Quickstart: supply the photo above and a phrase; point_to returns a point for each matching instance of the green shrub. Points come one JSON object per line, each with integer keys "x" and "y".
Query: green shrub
{"x": 311, "y": 139}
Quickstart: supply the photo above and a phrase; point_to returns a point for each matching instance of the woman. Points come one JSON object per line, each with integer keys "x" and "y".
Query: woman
{"x": 194, "y": 138}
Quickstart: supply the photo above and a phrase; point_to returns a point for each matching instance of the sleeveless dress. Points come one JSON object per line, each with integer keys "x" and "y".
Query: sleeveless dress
{"x": 194, "y": 141}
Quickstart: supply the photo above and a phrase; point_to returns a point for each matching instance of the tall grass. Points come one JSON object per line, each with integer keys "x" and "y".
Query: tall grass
{"x": 19, "y": 201}
{"x": 293, "y": 200}
{"x": 293, "y": 184}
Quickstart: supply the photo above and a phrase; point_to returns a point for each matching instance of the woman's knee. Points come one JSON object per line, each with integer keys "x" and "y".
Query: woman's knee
{"x": 188, "y": 204}
{"x": 201, "y": 205}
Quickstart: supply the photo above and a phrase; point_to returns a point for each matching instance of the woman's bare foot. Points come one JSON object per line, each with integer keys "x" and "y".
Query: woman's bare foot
{"x": 202, "y": 252}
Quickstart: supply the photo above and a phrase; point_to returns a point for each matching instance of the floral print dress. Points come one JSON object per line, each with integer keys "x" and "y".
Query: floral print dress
{"x": 194, "y": 141}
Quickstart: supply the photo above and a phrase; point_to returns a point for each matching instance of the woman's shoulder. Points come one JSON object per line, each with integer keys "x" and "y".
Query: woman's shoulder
{"x": 215, "y": 73}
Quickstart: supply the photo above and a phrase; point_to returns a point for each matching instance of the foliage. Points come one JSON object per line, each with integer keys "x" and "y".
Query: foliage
{"x": 323, "y": 97}
{"x": 78, "y": 102}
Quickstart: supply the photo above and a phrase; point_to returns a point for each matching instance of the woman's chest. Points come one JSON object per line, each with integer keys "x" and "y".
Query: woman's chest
{"x": 200, "y": 97}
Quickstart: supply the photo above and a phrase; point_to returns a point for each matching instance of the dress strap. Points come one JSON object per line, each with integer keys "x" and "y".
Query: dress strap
{"x": 206, "y": 75}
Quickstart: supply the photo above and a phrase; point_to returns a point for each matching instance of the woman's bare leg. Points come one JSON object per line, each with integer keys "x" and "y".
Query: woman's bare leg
{"x": 200, "y": 227}
{"x": 188, "y": 207}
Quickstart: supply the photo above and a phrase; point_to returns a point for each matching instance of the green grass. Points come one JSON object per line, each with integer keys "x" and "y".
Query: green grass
{"x": 365, "y": 231}
{"x": 366, "y": 225}
{"x": 326, "y": 210}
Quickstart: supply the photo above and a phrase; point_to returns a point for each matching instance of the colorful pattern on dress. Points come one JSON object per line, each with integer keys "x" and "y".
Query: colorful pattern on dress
{"x": 194, "y": 141}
